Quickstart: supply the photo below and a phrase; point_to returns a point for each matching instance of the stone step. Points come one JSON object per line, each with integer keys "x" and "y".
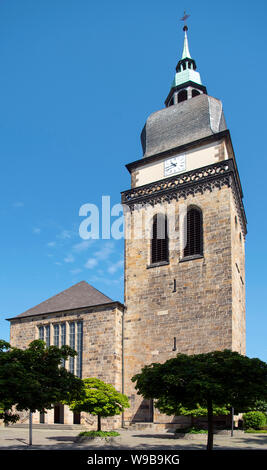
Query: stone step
{"x": 74, "y": 427}
{"x": 143, "y": 426}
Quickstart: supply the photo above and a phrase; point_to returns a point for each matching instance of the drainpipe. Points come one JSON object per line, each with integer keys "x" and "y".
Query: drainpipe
{"x": 122, "y": 363}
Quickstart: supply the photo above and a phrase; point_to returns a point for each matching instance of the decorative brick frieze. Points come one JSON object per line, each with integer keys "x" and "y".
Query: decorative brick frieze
{"x": 192, "y": 182}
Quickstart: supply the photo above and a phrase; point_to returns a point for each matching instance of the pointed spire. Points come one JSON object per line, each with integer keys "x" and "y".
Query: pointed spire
{"x": 186, "y": 53}
{"x": 187, "y": 82}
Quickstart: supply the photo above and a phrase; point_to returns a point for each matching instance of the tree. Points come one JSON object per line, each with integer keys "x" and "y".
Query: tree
{"x": 101, "y": 400}
{"x": 211, "y": 379}
{"x": 33, "y": 379}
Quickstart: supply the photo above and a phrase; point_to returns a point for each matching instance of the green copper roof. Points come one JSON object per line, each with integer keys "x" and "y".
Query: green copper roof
{"x": 187, "y": 75}
{"x": 186, "y": 53}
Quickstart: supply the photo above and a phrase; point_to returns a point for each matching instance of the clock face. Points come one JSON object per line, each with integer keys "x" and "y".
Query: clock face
{"x": 174, "y": 165}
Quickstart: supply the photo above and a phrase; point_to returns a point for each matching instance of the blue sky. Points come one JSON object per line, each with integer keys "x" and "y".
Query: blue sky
{"x": 78, "y": 80}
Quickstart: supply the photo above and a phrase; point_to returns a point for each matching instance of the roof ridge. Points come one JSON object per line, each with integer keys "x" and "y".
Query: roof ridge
{"x": 79, "y": 295}
{"x": 55, "y": 295}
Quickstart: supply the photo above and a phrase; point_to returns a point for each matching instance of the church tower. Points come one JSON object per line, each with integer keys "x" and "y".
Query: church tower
{"x": 185, "y": 236}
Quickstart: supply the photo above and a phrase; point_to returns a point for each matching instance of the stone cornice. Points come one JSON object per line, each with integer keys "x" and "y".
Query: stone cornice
{"x": 73, "y": 311}
{"x": 192, "y": 182}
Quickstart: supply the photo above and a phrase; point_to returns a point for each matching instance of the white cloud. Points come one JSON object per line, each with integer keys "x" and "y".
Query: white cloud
{"x": 91, "y": 263}
{"x": 51, "y": 244}
{"x": 105, "y": 252}
{"x": 106, "y": 280}
{"x": 115, "y": 266}
{"x": 65, "y": 234}
{"x": 82, "y": 246}
{"x": 69, "y": 259}
{"x": 100, "y": 255}
{"x": 75, "y": 271}
{"x": 37, "y": 230}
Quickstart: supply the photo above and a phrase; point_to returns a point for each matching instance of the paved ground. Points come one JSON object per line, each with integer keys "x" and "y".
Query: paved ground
{"x": 44, "y": 439}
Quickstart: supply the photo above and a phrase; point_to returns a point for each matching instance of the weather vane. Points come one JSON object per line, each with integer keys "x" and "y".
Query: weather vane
{"x": 185, "y": 28}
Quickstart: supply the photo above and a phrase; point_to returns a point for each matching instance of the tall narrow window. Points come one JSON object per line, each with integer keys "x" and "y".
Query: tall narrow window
{"x": 194, "y": 245}
{"x": 56, "y": 335}
{"x": 41, "y": 333}
{"x": 63, "y": 334}
{"x": 63, "y": 339}
{"x": 159, "y": 245}
{"x": 72, "y": 345}
{"x": 47, "y": 335}
{"x": 79, "y": 348}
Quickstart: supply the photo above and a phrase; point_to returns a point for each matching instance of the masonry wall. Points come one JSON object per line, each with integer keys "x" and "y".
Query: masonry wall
{"x": 238, "y": 281}
{"x": 201, "y": 314}
{"x": 102, "y": 350}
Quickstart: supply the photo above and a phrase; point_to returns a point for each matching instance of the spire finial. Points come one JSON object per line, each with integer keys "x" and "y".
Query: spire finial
{"x": 185, "y": 17}
{"x": 186, "y": 52}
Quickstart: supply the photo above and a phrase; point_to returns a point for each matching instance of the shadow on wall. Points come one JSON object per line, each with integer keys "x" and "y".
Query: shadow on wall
{"x": 145, "y": 412}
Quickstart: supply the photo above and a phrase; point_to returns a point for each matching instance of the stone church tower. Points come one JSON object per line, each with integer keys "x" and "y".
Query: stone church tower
{"x": 183, "y": 294}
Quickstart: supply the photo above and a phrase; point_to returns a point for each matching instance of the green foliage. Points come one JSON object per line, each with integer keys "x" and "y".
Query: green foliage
{"x": 100, "y": 399}
{"x": 99, "y": 433}
{"x": 33, "y": 378}
{"x": 256, "y": 431}
{"x": 260, "y": 405}
{"x": 8, "y": 417}
{"x": 171, "y": 407}
{"x": 254, "y": 419}
{"x": 4, "y": 345}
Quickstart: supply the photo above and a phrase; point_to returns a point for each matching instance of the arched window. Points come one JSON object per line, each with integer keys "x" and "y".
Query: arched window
{"x": 182, "y": 96}
{"x": 171, "y": 102}
{"x": 194, "y": 227}
{"x": 195, "y": 93}
{"x": 159, "y": 242}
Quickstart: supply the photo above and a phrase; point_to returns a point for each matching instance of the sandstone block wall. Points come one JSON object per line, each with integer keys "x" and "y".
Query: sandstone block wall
{"x": 203, "y": 312}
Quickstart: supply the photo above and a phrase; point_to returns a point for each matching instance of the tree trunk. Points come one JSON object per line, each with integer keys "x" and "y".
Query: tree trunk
{"x": 210, "y": 425}
{"x": 98, "y": 422}
{"x": 232, "y": 419}
{"x": 30, "y": 428}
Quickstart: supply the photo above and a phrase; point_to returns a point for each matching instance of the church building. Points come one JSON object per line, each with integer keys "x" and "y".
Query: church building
{"x": 184, "y": 293}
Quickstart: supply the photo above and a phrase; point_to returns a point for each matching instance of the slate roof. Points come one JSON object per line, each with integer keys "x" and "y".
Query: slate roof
{"x": 182, "y": 123}
{"x": 77, "y": 296}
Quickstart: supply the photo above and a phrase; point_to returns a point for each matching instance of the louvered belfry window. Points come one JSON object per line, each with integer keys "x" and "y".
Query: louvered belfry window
{"x": 159, "y": 245}
{"x": 194, "y": 245}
